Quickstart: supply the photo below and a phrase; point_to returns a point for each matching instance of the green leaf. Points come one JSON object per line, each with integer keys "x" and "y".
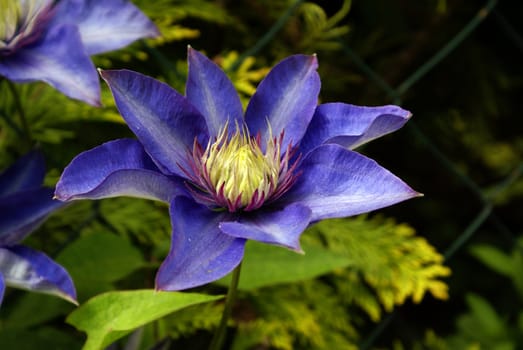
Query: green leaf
{"x": 489, "y": 320}
{"x": 266, "y": 265}
{"x": 97, "y": 260}
{"x": 494, "y": 258}
{"x": 112, "y": 315}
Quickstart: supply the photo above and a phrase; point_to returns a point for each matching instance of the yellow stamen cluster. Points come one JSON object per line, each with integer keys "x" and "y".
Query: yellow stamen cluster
{"x": 239, "y": 170}
{"x": 9, "y": 14}
{"x": 18, "y": 18}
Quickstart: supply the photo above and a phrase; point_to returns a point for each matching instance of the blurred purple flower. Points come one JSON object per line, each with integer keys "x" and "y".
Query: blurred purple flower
{"x": 52, "y": 41}
{"x": 24, "y": 205}
{"x": 229, "y": 176}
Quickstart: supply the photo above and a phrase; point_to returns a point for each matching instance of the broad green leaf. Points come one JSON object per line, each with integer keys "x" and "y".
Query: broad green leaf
{"x": 491, "y": 323}
{"x": 110, "y": 316}
{"x": 494, "y": 258}
{"x": 96, "y": 260}
{"x": 266, "y": 265}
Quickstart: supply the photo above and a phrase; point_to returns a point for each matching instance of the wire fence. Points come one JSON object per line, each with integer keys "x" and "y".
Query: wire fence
{"x": 395, "y": 94}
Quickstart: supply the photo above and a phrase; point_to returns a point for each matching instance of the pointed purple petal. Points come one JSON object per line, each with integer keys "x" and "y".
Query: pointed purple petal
{"x": 26, "y": 173}
{"x": 2, "y": 288}
{"x": 105, "y": 25}
{"x": 116, "y": 168}
{"x": 28, "y": 269}
{"x": 164, "y": 121}
{"x": 286, "y": 98}
{"x": 336, "y": 182}
{"x": 23, "y": 212}
{"x": 351, "y": 126}
{"x": 60, "y": 60}
{"x": 212, "y": 93}
{"x": 280, "y": 227}
{"x": 200, "y": 252}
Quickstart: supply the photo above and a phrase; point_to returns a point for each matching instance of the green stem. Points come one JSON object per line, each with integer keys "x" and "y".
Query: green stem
{"x": 219, "y": 336}
{"x": 448, "y": 48}
{"x": 267, "y": 37}
{"x": 469, "y": 231}
{"x": 391, "y": 93}
{"x": 21, "y": 113}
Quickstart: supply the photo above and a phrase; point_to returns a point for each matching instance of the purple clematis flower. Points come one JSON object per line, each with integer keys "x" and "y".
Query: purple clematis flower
{"x": 230, "y": 176}
{"x": 51, "y": 41}
{"x": 24, "y": 205}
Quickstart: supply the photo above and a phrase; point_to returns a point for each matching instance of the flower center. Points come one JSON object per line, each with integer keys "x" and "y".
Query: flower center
{"x": 238, "y": 168}
{"x": 22, "y": 22}
{"x": 234, "y": 172}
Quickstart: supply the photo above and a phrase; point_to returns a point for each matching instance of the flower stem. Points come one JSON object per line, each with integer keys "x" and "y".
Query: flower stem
{"x": 219, "y": 336}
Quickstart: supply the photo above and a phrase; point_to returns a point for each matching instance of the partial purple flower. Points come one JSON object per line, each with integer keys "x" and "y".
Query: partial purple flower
{"x": 24, "y": 205}
{"x": 230, "y": 176}
{"x": 51, "y": 41}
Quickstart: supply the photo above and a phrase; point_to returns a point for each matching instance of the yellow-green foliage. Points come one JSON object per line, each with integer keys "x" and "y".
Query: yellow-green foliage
{"x": 146, "y": 221}
{"x": 186, "y": 322}
{"x": 297, "y": 316}
{"x": 309, "y": 29}
{"x": 319, "y": 31}
{"x": 245, "y": 77}
{"x": 141, "y": 221}
{"x": 51, "y": 116}
{"x": 388, "y": 257}
{"x": 390, "y": 265}
{"x": 167, "y": 15}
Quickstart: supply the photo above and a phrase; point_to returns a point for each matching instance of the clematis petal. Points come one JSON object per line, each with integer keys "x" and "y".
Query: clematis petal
{"x": 105, "y": 25}
{"x": 351, "y": 126}
{"x": 200, "y": 253}
{"x": 23, "y": 212}
{"x": 58, "y": 59}
{"x": 2, "y": 288}
{"x": 212, "y": 93}
{"x": 164, "y": 121}
{"x": 286, "y": 98}
{"x": 337, "y": 182}
{"x": 280, "y": 227}
{"x": 116, "y": 168}
{"x": 26, "y": 173}
{"x": 28, "y": 269}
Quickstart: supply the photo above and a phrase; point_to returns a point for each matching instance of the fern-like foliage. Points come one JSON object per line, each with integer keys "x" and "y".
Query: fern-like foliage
{"x": 391, "y": 264}
{"x": 169, "y": 16}
{"x": 49, "y": 115}
{"x": 188, "y": 321}
{"x": 321, "y": 32}
{"x": 298, "y": 316}
{"x": 246, "y": 76}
